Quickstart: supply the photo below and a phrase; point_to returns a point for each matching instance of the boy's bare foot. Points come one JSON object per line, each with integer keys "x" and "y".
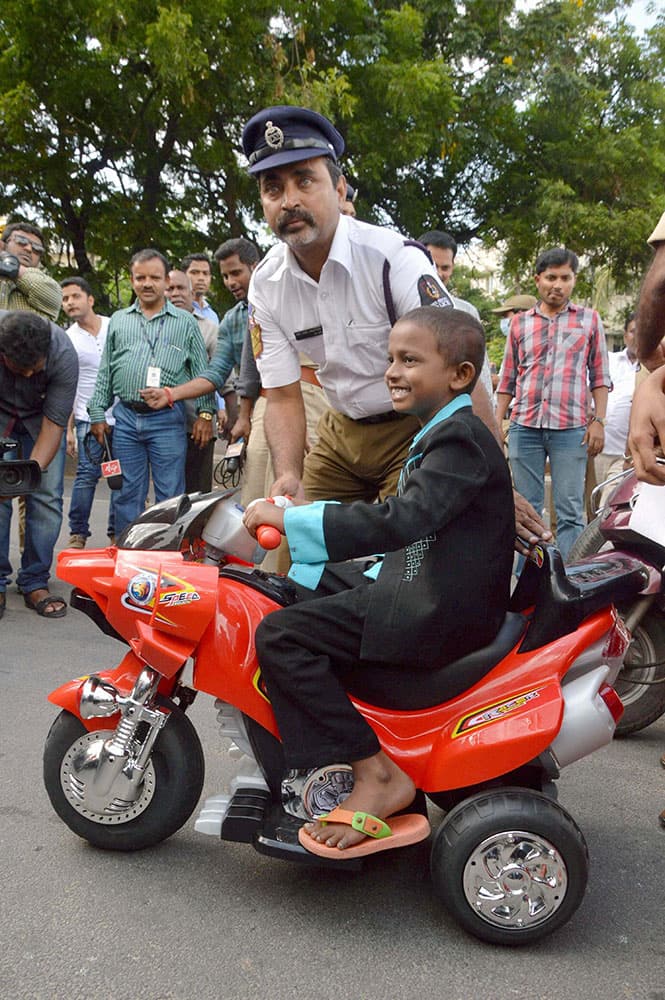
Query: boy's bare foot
{"x": 380, "y": 788}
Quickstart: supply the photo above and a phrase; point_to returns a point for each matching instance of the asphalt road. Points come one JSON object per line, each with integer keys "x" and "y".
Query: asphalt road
{"x": 199, "y": 918}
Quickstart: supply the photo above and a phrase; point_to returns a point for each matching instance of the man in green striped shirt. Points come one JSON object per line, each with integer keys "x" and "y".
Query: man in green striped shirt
{"x": 149, "y": 344}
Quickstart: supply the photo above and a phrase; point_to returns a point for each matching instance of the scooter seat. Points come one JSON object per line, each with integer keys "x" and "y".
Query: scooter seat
{"x": 408, "y": 688}
{"x": 563, "y": 596}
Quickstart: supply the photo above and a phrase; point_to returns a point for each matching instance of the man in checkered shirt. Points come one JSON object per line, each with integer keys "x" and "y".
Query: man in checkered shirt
{"x": 555, "y": 356}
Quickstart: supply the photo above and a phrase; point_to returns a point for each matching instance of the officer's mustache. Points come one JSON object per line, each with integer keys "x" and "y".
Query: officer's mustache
{"x": 295, "y": 216}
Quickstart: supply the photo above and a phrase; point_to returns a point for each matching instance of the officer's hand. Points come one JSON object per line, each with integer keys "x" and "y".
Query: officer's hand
{"x": 288, "y": 485}
{"x": 529, "y": 526}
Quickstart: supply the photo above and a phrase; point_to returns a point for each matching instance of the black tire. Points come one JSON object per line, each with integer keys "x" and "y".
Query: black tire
{"x": 589, "y": 543}
{"x": 538, "y": 825}
{"x": 645, "y": 659}
{"x": 178, "y": 769}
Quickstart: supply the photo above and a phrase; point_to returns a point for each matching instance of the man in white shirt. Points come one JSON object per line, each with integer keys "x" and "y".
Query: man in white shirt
{"x": 623, "y": 367}
{"x": 332, "y": 288}
{"x": 88, "y": 336}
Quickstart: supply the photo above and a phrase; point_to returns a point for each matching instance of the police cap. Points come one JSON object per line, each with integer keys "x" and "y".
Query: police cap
{"x": 286, "y": 134}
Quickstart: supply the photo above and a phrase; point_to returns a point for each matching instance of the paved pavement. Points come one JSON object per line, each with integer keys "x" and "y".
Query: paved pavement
{"x": 197, "y": 918}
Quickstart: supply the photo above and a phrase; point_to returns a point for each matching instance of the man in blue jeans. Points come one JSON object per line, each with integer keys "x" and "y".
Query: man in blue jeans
{"x": 88, "y": 336}
{"x": 38, "y": 374}
{"x": 150, "y": 344}
{"x": 555, "y": 359}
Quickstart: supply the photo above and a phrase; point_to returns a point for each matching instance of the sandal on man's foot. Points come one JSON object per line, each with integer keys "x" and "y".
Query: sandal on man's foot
{"x": 59, "y": 610}
{"x": 3, "y": 603}
{"x": 661, "y": 818}
{"x": 404, "y": 829}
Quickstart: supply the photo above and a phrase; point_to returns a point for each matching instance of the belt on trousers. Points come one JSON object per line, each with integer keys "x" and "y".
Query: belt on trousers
{"x": 138, "y": 407}
{"x": 306, "y": 375}
{"x": 378, "y": 418}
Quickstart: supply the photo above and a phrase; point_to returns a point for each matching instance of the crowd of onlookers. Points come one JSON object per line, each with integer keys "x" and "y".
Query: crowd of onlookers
{"x": 297, "y": 370}
{"x": 154, "y": 385}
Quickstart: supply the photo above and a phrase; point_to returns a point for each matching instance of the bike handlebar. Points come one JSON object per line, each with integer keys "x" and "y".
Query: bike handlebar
{"x": 268, "y": 537}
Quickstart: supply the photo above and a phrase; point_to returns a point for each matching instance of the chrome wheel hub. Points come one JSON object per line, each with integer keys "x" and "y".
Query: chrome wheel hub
{"x": 515, "y": 879}
{"x": 79, "y": 772}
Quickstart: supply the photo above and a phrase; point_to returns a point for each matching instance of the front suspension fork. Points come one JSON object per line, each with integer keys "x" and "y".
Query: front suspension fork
{"x": 100, "y": 698}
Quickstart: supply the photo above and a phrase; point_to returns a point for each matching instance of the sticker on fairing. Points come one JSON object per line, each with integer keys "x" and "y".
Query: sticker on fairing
{"x": 259, "y": 685}
{"x": 536, "y": 555}
{"x": 493, "y": 712}
{"x": 141, "y": 594}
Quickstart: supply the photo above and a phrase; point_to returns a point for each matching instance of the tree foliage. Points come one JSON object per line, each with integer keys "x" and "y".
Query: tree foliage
{"x": 529, "y": 124}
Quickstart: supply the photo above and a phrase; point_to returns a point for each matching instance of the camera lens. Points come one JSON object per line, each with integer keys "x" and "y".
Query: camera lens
{"x": 11, "y": 477}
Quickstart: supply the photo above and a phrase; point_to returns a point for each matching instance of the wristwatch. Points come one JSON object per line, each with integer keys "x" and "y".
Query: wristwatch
{"x": 205, "y": 416}
{"x": 599, "y": 420}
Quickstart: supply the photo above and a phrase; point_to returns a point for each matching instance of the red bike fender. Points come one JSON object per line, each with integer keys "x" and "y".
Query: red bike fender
{"x": 68, "y": 695}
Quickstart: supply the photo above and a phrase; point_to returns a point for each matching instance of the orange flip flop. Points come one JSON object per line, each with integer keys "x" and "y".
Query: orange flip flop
{"x": 404, "y": 829}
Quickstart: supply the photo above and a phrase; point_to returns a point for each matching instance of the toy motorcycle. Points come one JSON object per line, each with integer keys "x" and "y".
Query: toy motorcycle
{"x": 633, "y": 522}
{"x": 123, "y": 765}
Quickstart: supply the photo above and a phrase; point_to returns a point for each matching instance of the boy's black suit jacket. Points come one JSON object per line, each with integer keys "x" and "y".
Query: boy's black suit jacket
{"x": 444, "y": 586}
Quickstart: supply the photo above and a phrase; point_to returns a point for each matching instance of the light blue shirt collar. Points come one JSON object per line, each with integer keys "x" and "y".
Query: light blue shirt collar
{"x": 458, "y": 403}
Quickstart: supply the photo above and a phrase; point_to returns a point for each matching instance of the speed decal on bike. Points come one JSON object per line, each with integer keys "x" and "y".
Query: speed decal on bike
{"x": 493, "y": 712}
{"x": 147, "y": 589}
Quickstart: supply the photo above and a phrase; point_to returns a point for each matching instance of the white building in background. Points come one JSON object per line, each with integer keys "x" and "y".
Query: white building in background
{"x": 484, "y": 265}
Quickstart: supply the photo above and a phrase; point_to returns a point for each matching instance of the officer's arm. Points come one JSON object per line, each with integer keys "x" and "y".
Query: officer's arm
{"x": 285, "y": 428}
{"x": 651, "y": 313}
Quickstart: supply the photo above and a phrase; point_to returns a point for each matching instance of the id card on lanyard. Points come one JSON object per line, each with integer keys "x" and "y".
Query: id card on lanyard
{"x": 154, "y": 374}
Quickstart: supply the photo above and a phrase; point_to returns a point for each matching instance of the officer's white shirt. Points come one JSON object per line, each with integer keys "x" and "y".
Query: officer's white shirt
{"x": 89, "y": 349}
{"x": 341, "y": 321}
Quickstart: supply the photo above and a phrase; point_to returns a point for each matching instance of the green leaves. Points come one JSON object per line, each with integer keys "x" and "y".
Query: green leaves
{"x": 527, "y": 125}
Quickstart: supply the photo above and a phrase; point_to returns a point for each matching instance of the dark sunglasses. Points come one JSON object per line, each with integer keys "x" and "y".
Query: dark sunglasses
{"x": 23, "y": 241}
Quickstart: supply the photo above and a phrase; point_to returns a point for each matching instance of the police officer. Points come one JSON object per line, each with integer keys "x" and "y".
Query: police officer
{"x": 332, "y": 288}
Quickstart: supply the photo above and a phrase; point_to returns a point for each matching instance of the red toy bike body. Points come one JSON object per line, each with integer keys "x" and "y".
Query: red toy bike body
{"x": 124, "y": 769}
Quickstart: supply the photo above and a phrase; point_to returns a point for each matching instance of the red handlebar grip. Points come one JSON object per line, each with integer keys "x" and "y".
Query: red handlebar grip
{"x": 268, "y": 537}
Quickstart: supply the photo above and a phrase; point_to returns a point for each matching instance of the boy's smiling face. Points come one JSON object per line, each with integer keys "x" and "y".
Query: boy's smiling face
{"x": 419, "y": 378}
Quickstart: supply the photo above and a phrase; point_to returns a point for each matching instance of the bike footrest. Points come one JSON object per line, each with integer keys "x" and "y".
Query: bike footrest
{"x": 245, "y": 815}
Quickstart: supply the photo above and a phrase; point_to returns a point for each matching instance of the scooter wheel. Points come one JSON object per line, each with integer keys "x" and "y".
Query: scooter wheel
{"x": 510, "y": 865}
{"x": 171, "y": 788}
{"x": 641, "y": 680}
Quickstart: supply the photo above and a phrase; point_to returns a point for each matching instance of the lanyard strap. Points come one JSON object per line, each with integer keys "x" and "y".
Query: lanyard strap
{"x": 152, "y": 344}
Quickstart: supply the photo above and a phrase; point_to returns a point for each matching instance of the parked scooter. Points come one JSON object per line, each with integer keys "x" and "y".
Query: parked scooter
{"x": 123, "y": 765}
{"x": 633, "y": 522}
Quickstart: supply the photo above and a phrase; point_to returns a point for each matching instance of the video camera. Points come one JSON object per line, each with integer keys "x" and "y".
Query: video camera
{"x": 17, "y": 477}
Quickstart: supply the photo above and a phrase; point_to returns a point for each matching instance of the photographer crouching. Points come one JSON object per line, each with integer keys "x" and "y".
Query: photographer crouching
{"x": 38, "y": 377}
